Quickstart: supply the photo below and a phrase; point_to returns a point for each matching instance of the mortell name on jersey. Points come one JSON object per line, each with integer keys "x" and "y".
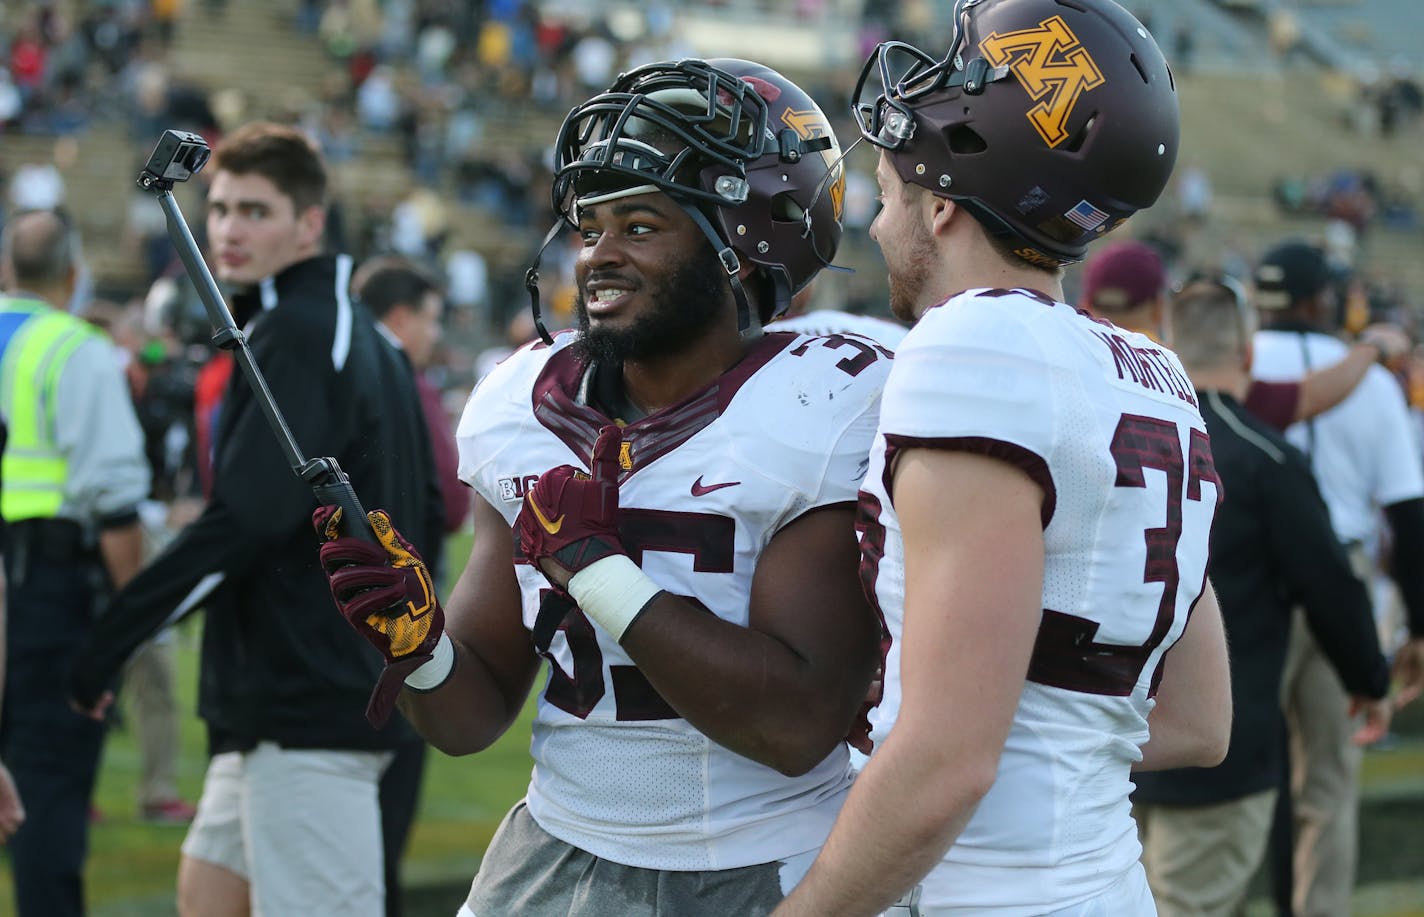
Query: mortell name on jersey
{"x": 1149, "y": 367}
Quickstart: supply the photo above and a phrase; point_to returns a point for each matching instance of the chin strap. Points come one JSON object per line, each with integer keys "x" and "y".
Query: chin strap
{"x": 531, "y": 282}
{"x": 733, "y": 266}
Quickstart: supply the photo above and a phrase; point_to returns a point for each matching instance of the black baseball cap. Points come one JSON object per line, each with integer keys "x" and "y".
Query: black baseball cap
{"x": 1289, "y": 273}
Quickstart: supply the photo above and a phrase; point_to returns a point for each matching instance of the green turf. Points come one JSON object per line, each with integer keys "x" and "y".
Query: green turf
{"x": 132, "y": 865}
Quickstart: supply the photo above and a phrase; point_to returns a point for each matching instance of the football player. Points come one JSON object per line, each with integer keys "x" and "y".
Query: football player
{"x": 1035, "y": 516}
{"x": 665, "y": 514}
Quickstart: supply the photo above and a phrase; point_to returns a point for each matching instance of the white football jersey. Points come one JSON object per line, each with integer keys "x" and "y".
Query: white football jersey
{"x": 1106, "y": 422}
{"x": 705, "y": 486}
{"x": 835, "y": 321}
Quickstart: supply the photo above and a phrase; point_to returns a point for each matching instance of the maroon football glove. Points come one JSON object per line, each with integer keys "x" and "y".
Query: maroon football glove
{"x": 570, "y": 518}
{"x": 385, "y": 592}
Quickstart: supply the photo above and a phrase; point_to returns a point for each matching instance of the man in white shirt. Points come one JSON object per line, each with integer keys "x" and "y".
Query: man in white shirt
{"x": 1365, "y": 459}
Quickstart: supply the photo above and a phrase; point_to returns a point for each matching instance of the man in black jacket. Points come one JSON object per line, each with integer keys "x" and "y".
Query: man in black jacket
{"x": 288, "y": 822}
{"x": 1204, "y": 830}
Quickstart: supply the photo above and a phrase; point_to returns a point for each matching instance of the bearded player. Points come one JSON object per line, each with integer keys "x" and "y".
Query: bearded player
{"x": 665, "y": 513}
{"x": 1040, "y": 493}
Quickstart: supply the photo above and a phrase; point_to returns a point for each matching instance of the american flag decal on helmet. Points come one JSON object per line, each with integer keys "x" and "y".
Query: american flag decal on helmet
{"x": 1087, "y": 216}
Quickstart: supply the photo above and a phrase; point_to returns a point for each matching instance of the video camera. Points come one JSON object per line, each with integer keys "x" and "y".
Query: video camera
{"x": 178, "y": 156}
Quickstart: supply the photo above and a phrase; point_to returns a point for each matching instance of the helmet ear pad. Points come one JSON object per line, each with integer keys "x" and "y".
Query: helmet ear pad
{"x": 789, "y": 226}
{"x": 1078, "y": 131}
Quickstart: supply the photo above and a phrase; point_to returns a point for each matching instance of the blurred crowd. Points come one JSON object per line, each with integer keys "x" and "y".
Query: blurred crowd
{"x": 468, "y": 94}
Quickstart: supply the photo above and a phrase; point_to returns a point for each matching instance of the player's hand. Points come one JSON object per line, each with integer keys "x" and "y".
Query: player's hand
{"x": 12, "y": 811}
{"x": 1408, "y": 672}
{"x": 1377, "y": 713}
{"x": 384, "y": 590}
{"x": 569, "y": 518}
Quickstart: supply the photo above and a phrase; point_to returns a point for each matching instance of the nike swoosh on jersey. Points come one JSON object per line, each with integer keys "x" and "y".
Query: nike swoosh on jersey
{"x": 699, "y": 489}
{"x": 551, "y": 527}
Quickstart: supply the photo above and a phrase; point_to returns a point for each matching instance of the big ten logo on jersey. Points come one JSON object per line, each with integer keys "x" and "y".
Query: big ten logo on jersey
{"x": 513, "y": 489}
{"x": 1149, "y": 367}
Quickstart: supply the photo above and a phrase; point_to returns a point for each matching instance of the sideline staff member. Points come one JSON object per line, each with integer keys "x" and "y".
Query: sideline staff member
{"x": 1204, "y": 829}
{"x": 74, "y": 473}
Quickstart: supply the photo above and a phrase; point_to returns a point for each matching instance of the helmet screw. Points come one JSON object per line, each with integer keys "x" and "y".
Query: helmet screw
{"x": 741, "y": 229}
{"x": 1161, "y": 149}
{"x": 945, "y": 181}
{"x": 919, "y": 168}
{"x": 763, "y": 247}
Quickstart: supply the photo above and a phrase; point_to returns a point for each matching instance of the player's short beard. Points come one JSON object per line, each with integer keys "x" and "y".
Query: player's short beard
{"x": 915, "y": 256}
{"x": 686, "y": 303}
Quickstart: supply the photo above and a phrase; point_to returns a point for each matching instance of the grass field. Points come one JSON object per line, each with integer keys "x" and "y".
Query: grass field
{"x": 132, "y": 865}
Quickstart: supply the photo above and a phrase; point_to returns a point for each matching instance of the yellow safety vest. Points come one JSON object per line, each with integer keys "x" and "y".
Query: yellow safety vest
{"x": 36, "y": 342}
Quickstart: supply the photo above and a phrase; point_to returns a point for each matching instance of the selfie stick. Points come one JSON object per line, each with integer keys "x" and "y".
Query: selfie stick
{"x": 178, "y": 156}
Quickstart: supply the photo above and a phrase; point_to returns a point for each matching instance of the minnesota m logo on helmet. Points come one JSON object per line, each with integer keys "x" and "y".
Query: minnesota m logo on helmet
{"x": 1052, "y": 66}
{"x": 810, "y": 124}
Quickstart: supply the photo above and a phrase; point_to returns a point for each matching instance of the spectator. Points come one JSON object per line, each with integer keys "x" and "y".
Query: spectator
{"x": 1126, "y": 283}
{"x": 37, "y": 186}
{"x": 12, "y": 104}
{"x": 74, "y": 474}
{"x": 1364, "y": 457}
{"x": 410, "y": 306}
{"x": 408, "y": 303}
{"x": 283, "y": 679}
{"x": 1204, "y": 830}
{"x": 1194, "y": 193}
{"x": 12, "y": 808}
{"x": 148, "y": 678}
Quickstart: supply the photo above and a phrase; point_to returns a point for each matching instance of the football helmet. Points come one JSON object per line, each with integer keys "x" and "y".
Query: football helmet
{"x": 1051, "y": 121}
{"x": 742, "y": 148}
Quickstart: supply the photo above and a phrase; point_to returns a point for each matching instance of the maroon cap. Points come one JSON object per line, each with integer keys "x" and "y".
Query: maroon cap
{"x": 1122, "y": 276}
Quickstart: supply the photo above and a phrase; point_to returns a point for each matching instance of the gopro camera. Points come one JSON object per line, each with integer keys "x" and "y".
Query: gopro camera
{"x": 177, "y": 157}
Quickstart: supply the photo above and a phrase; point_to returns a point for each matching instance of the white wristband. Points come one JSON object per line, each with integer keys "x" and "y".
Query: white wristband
{"x": 433, "y": 673}
{"x": 612, "y": 591}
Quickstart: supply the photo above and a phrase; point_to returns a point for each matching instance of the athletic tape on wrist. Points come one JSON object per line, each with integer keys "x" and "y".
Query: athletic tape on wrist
{"x": 433, "y": 673}
{"x": 612, "y": 591}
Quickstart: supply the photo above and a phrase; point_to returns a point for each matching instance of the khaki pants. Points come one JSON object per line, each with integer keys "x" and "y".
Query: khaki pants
{"x": 1200, "y": 859}
{"x": 1325, "y": 773}
{"x": 148, "y": 683}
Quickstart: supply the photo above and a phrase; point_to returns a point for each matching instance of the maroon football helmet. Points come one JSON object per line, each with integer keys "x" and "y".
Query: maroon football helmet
{"x": 1051, "y": 121}
{"x": 748, "y": 153}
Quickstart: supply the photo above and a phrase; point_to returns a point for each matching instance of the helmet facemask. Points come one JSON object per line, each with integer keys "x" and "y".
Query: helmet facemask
{"x": 705, "y": 133}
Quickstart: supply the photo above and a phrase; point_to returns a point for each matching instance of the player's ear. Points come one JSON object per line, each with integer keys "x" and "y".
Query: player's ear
{"x": 938, "y": 212}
